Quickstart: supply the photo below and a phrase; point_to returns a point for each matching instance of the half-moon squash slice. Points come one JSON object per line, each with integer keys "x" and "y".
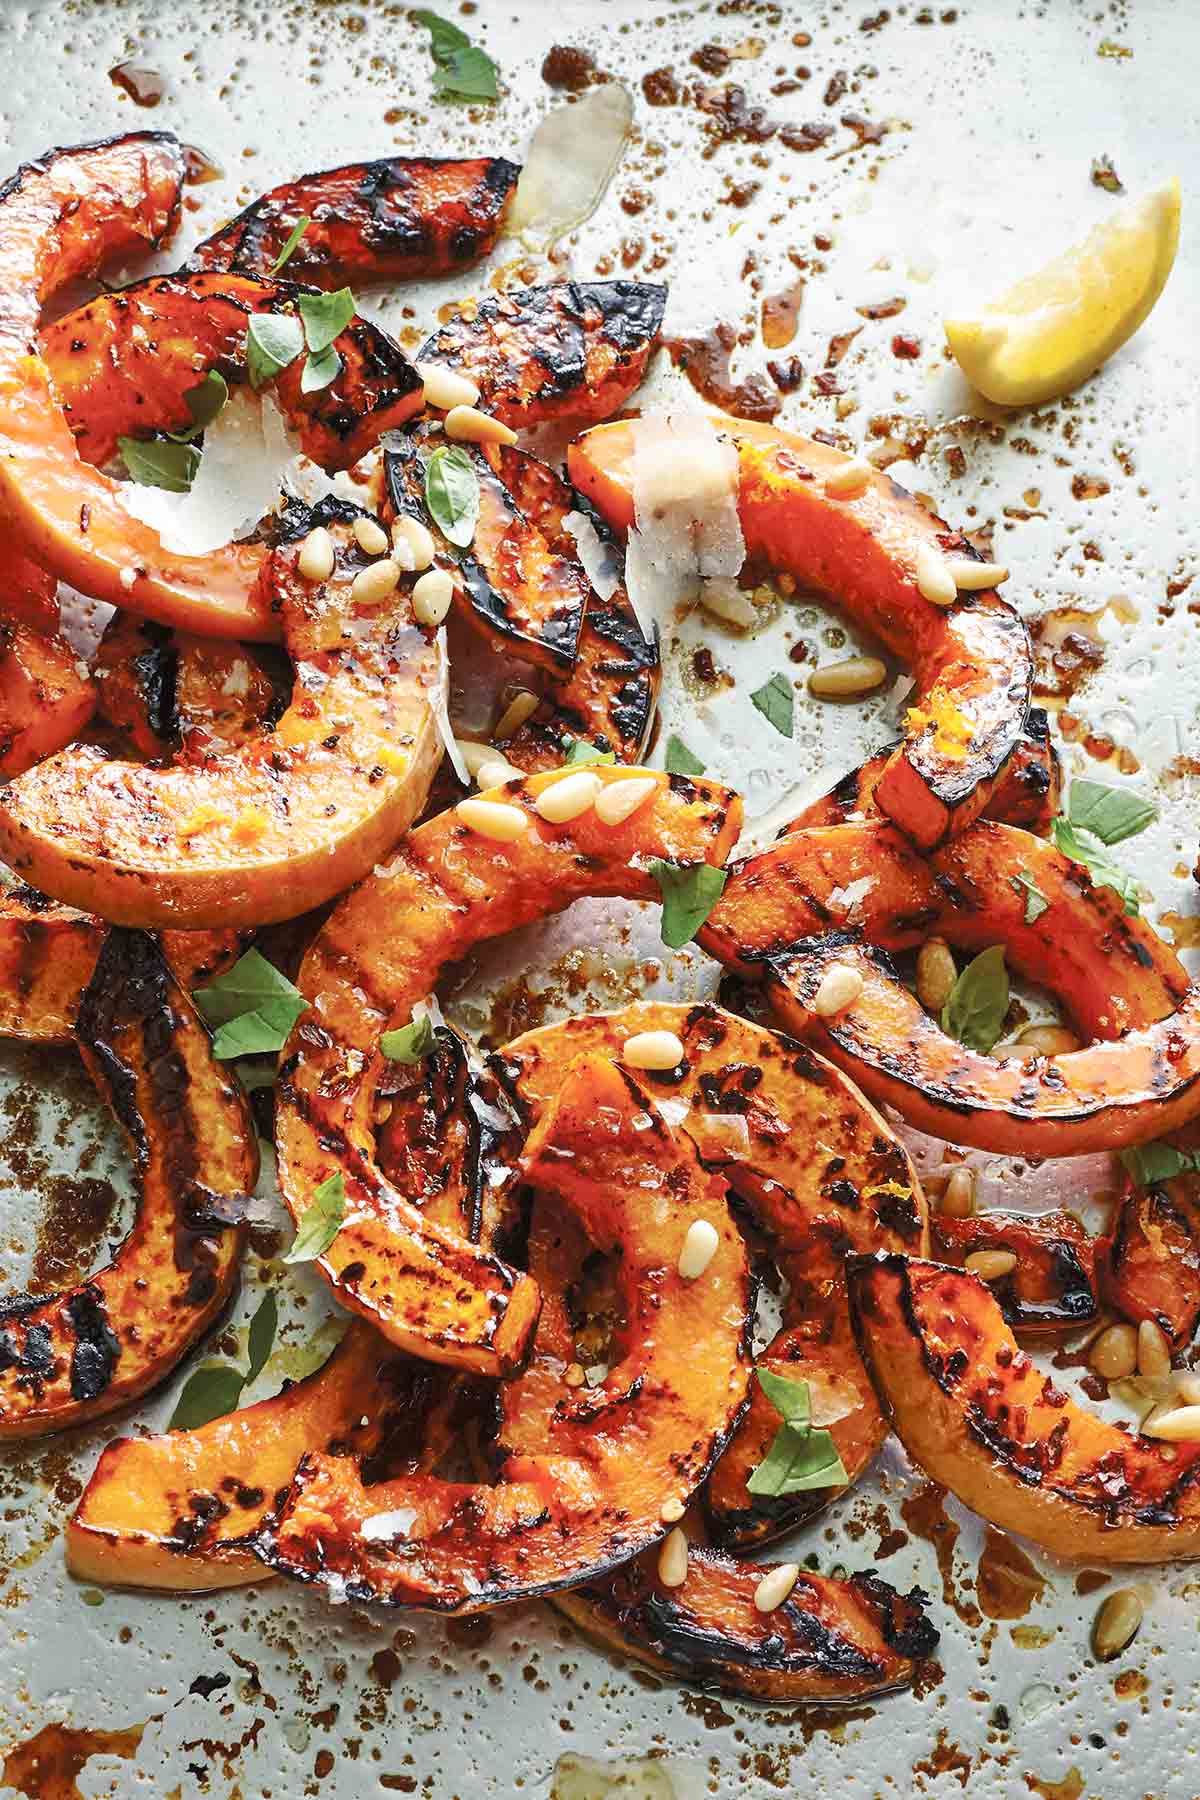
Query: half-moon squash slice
{"x": 1150, "y": 1261}
{"x": 46, "y": 696}
{"x": 1052, "y": 1288}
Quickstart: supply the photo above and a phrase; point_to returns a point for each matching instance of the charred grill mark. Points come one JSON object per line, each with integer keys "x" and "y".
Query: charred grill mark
{"x": 94, "y": 1358}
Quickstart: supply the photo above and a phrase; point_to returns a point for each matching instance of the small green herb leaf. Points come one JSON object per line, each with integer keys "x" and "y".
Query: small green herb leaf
{"x": 410, "y": 1043}
{"x": 1103, "y": 871}
{"x": 273, "y": 340}
{"x": 321, "y": 1222}
{"x": 209, "y": 1393}
{"x": 452, "y": 494}
{"x": 261, "y": 1338}
{"x": 974, "y": 1012}
{"x": 293, "y": 238}
{"x": 253, "y": 1007}
{"x": 680, "y": 760}
{"x": 790, "y": 1399}
{"x": 1150, "y": 1163}
{"x": 204, "y": 402}
{"x": 160, "y": 462}
{"x": 461, "y": 70}
{"x": 1109, "y": 813}
{"x": 325, "y": 316}
{"x": 580, "y": 751}
{"x": 320, "y": 371}
{"x": 689, "y": 893}
{"x": 775, "y": 700}
{"x": 1036, "y": 902}
{"x": 444, "y": 36}
{"x": 800, "y": 1457}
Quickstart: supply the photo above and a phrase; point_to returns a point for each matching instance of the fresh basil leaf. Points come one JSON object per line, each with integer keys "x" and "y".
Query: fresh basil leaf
{"x": 791, "y": 1399}
{"x": 410, "y": 1043}
{"x": 461, "y": 69}
{"x": 261, "y": 1337}
{"x": 1109, "y": 813}
{"x": 273, "y": 340}
{"x": 1036, "y": 902}
{"x": 1102, "y": 870}
{"x": 1150, "y": 1163}
{"x": 325, "y": 316}
{"x": 320, "y": 371}
{"x": 293, "y": 238}
{"x": 775, "y": 700}
{"x": 974, "y": 1012}
{"x": 580, "y": 751}
{"x": 253, "y": 1007}
{"x": 209, "y": 1393}
{"x": 256, "y": 1075}
{"x": 796, "y": 1462}
{"x": 321, "y": 1221}
{"x": 452, "y": 494}
{"x": 689, "y": 893}
{"x": 160, "y": 462}
{"x": 444, "y": 36}
{"x": 680, "y": 760}
{"x": 204, "y": 402}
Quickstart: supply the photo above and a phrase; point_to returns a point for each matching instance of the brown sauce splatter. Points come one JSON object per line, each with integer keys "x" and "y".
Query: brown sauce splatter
{"x": 45, "y": 1767}
{"x": 564, "y": 66}
{"x": 945, "y": 1759}
{"x": 706, "y": 363}
{"x": 199, "y": 167}
{"x": 1069, "y": 1788}
{"x": 145, "y": 87}
{"x": 780, "y": 313}
{"x": 883, "y": 309}
{"x": 69, "y": 1231}
{"x": 1007, "y": 1583}
{"x": 1185, "y": 930}
{"x": 925, "y": 1515}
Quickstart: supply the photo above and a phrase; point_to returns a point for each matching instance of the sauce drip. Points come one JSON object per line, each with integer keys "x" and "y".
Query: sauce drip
{"x": 706, "y": 363}
{"x": 925, "y": 1515}
{"x": 145, "y": 87}
{"x": 199, "y": 167}
{"x": 45, "y": 1767}
{"x": 780, "y": 313}
{"x": 1007, "y": 1583}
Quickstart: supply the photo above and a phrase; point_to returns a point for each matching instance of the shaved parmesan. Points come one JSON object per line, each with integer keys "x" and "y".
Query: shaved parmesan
{"x": 380, "y": 1527}
{"x": 439, "y": 700}
{"x": 686, "y": 526}
{"x": 601, "y": 563}
{"x": 237, "y": 482}
{"x": 571, "y": 159}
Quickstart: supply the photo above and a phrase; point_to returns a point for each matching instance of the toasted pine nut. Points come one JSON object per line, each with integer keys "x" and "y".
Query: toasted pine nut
{"x": 370, "y": 536}
{"x": 775, "y": 1587}
{"x": 315, "y": 561}
{"x": 493, "y": 819}
{"x": 652, "y": 1050}
{"x": 564, "y": 800}
{"x": 470, "y": 426}
{"x": 1180, "y": 1425}
{"x": 699, "y": 1248}
{"x": 1117, "y": 1624}
{"x": 840, "y": 987}
{"x": 673, "y": 1559}
{"x": 1153, "y": 1351}
{"x": 848, "y": 679}
{"x": 573, "y": 1375}
{"x": 1114, "y": 1353}
{"x": 411, "y": 537}
{"x": 475, "y": 755}
{"x": 990, "y": 1265}
{"x": 374, "y": 583}
{"x": 969, "y": 576}
{"x": 495, "y": 772}
{"x": 671, "y": 1511}
{"x": 520, "y": 707}
{"x": 724, "y": 599}
{"x": 1048, "y": 1040}
{"x": 958, "y": 1201}
{"x": 445, "y": 388}
{"x": 850, "y": 478}
{"x": 933, "y": 577}
{"x": 431, "y": 596}
{"x": 621, "y": 799}
{"x": 936, "y": 974}
{"x": 1187, "y": 1387}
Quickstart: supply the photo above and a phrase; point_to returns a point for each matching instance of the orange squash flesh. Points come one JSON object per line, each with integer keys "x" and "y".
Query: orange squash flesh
{"x": 980, "y": 1418}
{"x": 582, "y": 1473}
{"x": 445, "y": 890}
{"x": 973, "y": 661}
{"x": 162, "y": 691}
{"x": 282, "y": 823}
{"x": 75, "y": 1356}
{"x": 45, "y": 701}
{"x": 1054, "y": 1284}
{"x": 1150, "y": 1262}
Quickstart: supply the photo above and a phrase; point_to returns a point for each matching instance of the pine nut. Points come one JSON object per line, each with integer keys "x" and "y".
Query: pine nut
{"x": 958, "y": 1201}
{"x": 724, "y": 599}
{"x": 671, "y": 1511}
{"x": 573, "y": 1375}
{"x": 1114, "y": 1353}
{"x": 1117, "y": 1624}
{"x": 699, "y": 1248}
{"x": 1181, "y": 1425}
{"x": 990, "y": 1265}
{"x": 840, "y": 987}
{"x": 1153, "y": 1350}
{"x": 970, "y": 577}
{"x": 621, "y": 799}
{"x": 673, "y": 1559}
{"x": 470, "y": 426}
{"x": 493, "y": 819}
{"x": 934, "y": 579}
{"x": 652, "y": 1050}
{"x": 431, "y": 596}
{"x": 775, "y": 1587}
{"x": 520, "y": 707}
{"x": 850, "y": 478}
{"x": 564, "y": 800}
{"x": 1187, "y": 1387}
{"x": 475, "y": 755}
{"x": 848, "y": 679}
{"x": 370, "y": 536}
{"x": 495, "y": 772}
{"x": 1049, "y": 1040}
{"x": 409, "y": 535}
{"x": 374, "y": 583}
{"x": 315, "y": 561}
{"x": 936, "y": 974}
{"x": 444, "y": 388}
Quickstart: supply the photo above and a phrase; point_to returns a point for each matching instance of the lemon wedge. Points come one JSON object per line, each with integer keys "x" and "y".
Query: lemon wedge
{"x": 1051, "y": 330}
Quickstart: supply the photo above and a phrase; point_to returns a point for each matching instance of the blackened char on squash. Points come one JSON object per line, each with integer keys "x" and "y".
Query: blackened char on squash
{"x": 400, "y": 218}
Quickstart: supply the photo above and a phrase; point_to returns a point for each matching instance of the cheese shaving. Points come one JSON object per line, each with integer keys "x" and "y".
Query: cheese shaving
{"x": 439, "y": 700}
{"x": 601, "y": 563}
{"x": 571, "y": 159}
{"x": 686, "y": 528}
{"x": 237, "y": 483}
{"x": 381, "y": 1527}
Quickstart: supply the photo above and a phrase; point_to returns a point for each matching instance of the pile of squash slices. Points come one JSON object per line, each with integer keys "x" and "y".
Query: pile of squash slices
{"x": 550, "y": 1254}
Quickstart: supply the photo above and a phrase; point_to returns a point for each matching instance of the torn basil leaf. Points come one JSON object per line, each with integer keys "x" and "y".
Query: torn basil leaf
{"x": 409, "y": 1043}
{"x": 160, "y": 462}
{"x": 293, "y": 239}
{"x": 260, "y": 1340}
{"x": 452, "y": 494}
{"x": 579, "y": 750}
{"x": 321, "y": 1221}
{"x": 252, "y": 1006}
{"x": 1104, "y": 872}
{"x": 1109, "y": 813}
{"x": 1150, "y": 1163}
{"x": 1036, "y": 902}
{"x": 461, "y": 70}
{"x": 800, "y": 1457}
{"x": 325, "y": 317}
{"x": 679, "y": 759}
{"x": 209, "y": 1393}
{"x": 974, "y": 1012}
{"x": 775, "y": 700}
{"x": 689, "y": 893}
{"x": 273, "y": 340}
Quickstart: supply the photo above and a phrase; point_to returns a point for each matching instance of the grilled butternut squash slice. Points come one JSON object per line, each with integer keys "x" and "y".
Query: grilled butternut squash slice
{"x": 1150, "y": 1262}
{"x": 973, "y": 661}
{"x": 569, "y": 350}
{"x": 75, "y": 1356}
{"x": 399, "y": 218}
{"x": 45, "y": 698}
{"x": 277, "y": 826}
{"x": 446, "y": 889}
{"x": 162, "y": 692}
{"x": 1053, "y": 1287}
{"x": 978, "y": 1416}
{"x": 583, "y": 1472}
